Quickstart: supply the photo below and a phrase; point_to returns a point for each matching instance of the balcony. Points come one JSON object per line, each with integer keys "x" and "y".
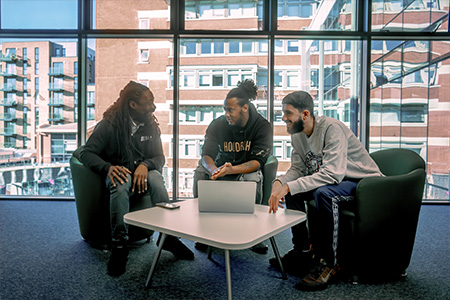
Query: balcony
{"x": 8, "y": 117}
{"x": 7, "y": 145}
{"x": 8, "y": 88}
{"x": 8, "y": 58}
{"x": 8, "y": 73}
{"x": 55, "y": 87}
{"x": 56, "y": 102}
{"x": 56, "y": 118}
{"x": 8, "y": 131}
{"x": 57, "y": 72}
{"x": 8, "y": 102}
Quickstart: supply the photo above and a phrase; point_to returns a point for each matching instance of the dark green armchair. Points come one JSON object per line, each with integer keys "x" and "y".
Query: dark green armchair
{"x": 92, "y": 203}
{"x": 269, "y": 173}
{"x": 377, "y": 231}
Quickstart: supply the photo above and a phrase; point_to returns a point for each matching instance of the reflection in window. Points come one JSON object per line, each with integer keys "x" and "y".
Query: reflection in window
{"x": 222, "y": 9}
{"x": 200, "y": 114}
{"x": 282, "y": 149}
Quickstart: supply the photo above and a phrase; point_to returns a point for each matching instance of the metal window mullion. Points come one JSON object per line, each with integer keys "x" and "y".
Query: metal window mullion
{"x": 84, "y": 23}
{"x": 177, "y": 24}
{"x": 364, "y": 26}
{"x": 270, "y": 20}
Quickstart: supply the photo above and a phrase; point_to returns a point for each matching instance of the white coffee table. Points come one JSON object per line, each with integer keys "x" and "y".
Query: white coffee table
{"x": 220, "y": 230}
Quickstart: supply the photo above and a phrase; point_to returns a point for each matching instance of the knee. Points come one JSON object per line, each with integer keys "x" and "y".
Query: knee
{"x": 119, "y": 188}
{"x": 253, "y": 176}
{"x": 322, "y": 197}
{"x": 155, "y": 178}
{"x": 321, "y": 192}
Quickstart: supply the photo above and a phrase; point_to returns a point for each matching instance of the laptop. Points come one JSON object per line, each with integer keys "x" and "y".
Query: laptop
{"x": 226, "y": 196}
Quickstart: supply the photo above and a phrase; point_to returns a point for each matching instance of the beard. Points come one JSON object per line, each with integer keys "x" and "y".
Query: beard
{"x": 296, "y": 127}
{"x": 238, "y": 122}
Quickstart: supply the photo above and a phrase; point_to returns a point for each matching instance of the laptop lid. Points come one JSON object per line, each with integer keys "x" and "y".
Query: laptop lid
{"x": 226, "y": 196}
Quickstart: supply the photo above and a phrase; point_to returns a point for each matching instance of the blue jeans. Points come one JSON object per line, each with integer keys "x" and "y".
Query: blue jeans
{"x": 201, "y": 173}
{"x": 121, "y": 195}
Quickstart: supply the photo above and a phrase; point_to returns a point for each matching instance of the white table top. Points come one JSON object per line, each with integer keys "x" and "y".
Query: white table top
{"x": 222, "y": 230}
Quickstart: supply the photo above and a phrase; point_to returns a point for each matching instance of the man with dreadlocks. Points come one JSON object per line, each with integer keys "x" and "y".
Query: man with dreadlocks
{"x": 125, "y": 148}
{"x": 237, "y": 145}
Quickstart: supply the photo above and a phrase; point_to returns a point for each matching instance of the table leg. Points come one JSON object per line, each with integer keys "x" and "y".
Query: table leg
{"x": 277, "y": 255}
{"x": 209, "y": 252}
{"x": 155, "y": 260}
{"x": 228, "y": 271}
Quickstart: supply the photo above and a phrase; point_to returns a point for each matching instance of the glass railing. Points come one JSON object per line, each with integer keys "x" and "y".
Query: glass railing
{"x": 7, "y": 145}
{"x": 8, "y": 73}
{"x": 55, "y": 101}
{"x": 7, "y": 116}
{"x": 7, "y": 102}
{"x": 56, "y": 117}
{"x": 55, "y": 72}
{"x": 8, "y": 87}
{"x": 8, "y": 131}
{"x": 55, "y": 87}
{"x": 9, "y": 57}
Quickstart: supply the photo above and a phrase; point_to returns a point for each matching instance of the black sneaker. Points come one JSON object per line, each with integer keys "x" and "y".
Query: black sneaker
{"x": 201, "y": 247}
{"x": 174, "y": 245}
{"x": 294, "y": 262}
{"x": 319, "y": 278}
{"x": 118, "y": 261}
{"x": 260, "y": 248}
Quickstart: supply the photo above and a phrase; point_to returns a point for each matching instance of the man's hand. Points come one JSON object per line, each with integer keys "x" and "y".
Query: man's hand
{"x": 140, "y": 179}
{"x": 221, "y": 171}
{"x": 278, "y": 193}
{"x": 118, "y": 174}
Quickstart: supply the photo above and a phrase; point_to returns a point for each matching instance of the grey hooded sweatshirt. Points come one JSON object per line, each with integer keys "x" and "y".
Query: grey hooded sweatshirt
{"x": 331, "y": 154}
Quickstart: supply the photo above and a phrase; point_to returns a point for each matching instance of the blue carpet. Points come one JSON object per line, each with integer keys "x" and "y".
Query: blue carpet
{"x": 42, "y": 256}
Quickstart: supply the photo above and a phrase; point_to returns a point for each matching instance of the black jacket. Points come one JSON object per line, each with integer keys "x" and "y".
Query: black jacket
{"x": 102, "y": 149}
{"x": 225, "y": 143}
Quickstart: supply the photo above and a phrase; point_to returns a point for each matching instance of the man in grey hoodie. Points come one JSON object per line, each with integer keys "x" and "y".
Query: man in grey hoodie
{"x": 327, "y": 163}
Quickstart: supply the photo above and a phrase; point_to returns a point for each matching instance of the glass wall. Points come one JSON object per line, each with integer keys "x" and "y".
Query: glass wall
{"x": 145, "y": 61}
{"x": 313, "y": 45}
{"x": 409, "y": 104}
{"x": 39, "y": 94}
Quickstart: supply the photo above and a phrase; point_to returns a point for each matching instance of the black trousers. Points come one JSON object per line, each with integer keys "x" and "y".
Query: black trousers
{"x": 323, "y": 231}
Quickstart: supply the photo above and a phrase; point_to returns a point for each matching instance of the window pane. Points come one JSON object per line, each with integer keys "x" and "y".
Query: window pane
{"x": 125, "y": 14}
{"x": 333, "y": 85}
{"x": 39, "y": 14}
{"x": 38, "y": 136}
{"x": 407, "y": 106}
{"x": 315, "y": 15}
{"x": 214, "y": 76}
{"x": 111, "y": 78}
{"x": 399, "y": 15}
{"x": 223, "y": 15}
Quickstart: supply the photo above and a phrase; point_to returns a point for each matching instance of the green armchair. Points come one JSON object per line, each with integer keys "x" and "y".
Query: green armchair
{"x": 92, "y": 203}
{"x": 269, "y": 173}
{"x": 377, "y": 231}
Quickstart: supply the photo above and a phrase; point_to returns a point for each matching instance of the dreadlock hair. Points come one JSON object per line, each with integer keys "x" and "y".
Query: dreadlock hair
{"x": 300, "y": 100}
{"x": 119, "y": 114}
{"x": 245, "y": 92}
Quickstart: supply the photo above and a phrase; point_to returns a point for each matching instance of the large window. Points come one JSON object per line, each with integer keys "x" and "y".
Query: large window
{"x": 409, "y": 102}
{"x": 40, "y": 132}
{"x": 393, "y": 94}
